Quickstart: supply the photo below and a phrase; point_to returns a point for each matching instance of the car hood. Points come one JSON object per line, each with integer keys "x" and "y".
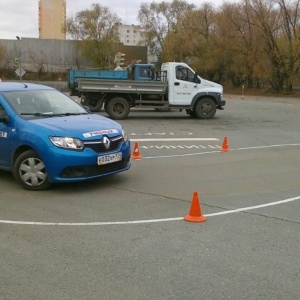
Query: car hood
{"x": 81, "y": 126}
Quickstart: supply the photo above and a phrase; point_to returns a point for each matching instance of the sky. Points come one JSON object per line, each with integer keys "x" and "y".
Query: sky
{"x": 20, "y": 17}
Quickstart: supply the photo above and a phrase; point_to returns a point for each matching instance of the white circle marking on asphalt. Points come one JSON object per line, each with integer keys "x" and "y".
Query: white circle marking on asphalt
{"x": 167, "y": 219}
{"x": 232, "y": 211}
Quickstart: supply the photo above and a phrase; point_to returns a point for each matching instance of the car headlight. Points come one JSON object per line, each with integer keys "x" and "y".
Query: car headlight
{"x": 125, "y": 136}
{"x": 67, "y": 142}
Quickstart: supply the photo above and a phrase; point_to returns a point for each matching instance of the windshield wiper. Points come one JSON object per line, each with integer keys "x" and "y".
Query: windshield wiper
{"x": 37, "y": 114}
{"x": 70, "y": 114}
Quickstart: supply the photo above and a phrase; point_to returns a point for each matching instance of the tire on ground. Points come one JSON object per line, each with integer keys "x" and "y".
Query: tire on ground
{"x": 117, "y": 108}
{"x": 30, "y": 171}
{"x": 205, "y": 108}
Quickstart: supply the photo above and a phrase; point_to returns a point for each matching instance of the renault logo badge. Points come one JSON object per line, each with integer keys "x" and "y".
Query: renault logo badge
{"x": 106, "y": 142}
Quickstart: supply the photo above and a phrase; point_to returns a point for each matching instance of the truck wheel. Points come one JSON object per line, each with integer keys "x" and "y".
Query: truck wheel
{"x": 117, "y": 108}
{"x": 92, "y": 102}
{"x": 205, "y": 108}
{"x": 30, "y": 171}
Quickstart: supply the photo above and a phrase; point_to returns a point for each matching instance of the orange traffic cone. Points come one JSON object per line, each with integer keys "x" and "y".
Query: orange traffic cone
{"x": 225, "y": 147}
{"x": 136, "y": 152}
{"x": 195, "y": 214}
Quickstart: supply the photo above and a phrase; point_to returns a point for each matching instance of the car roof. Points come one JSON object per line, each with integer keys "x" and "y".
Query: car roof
{"x": 6, "y": 86}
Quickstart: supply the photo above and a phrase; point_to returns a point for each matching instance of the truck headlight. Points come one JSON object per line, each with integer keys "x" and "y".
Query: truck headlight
{"x": 67, "y": 142}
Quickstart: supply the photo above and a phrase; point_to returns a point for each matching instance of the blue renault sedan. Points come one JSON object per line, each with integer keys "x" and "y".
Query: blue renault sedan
{"x": 47, "y": 137}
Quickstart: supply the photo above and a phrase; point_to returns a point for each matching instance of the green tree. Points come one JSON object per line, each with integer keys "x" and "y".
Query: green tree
{"x": 157, "y": 20}
{"x": 98, "y": 31}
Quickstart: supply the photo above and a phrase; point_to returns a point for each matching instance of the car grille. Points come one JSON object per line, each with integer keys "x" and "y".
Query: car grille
{"x": 95, "y": 170}
{"x": 99, "y": 147}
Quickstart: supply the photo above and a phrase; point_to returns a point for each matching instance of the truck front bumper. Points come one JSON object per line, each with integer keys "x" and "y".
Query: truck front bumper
{"x": 222, "y": 103}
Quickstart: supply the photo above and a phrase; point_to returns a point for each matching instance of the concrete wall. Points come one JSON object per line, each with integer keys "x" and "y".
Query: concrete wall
{"x": 55, "y": 55}
{"x": 50, "y": 55}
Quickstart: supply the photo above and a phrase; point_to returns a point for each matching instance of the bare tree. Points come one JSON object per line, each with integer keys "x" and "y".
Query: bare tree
{"x": 3, "y": 54}
{"x": 243, "y": 41}
{"x": 279, "y": 25}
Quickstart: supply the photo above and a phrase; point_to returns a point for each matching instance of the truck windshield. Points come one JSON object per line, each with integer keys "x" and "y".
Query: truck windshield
{"x": 146, "y": 72}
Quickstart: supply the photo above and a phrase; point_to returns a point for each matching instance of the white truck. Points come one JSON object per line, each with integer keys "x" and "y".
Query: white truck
{"x": 175, "y": 86}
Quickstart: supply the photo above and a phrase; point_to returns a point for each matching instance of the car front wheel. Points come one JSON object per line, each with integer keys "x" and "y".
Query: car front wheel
{"x": 30, "y": 171}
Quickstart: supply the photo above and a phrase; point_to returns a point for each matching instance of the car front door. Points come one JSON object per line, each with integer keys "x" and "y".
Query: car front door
{"x": 4, "y": 140}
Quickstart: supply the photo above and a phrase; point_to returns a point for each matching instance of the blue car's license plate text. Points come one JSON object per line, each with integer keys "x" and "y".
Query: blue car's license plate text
{"x": 110, "y": 158}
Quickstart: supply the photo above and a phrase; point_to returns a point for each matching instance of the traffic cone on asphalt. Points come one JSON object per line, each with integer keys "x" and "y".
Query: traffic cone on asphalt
{"x": 195, "y": 214}
{"x": 225, "y": 147}
{"x": 136, "y": 152}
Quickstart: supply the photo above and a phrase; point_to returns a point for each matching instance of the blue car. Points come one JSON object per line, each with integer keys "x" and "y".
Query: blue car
{"x": 47, "y": 137}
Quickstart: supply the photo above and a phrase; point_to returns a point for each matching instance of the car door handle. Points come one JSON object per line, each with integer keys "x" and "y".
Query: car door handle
{"x": 176, "y": 83}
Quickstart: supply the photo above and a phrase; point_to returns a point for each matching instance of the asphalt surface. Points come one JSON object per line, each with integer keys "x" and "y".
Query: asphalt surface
{"x": 125, "y": 237}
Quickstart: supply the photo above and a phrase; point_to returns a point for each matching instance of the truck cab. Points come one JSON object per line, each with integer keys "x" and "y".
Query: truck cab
{"x": 143, "y": 72}
{"x": 200, "y": 98}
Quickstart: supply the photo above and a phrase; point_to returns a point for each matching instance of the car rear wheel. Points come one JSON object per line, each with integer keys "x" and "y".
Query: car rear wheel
{"x": 30, "y": 171}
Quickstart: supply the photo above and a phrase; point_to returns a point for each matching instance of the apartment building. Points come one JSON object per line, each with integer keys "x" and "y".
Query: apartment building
{"x": 130, "y": 35}
{"x": 52, "y": 18}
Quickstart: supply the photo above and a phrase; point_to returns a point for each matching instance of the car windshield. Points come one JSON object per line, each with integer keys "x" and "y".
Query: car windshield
{"x": 43, "y": 103}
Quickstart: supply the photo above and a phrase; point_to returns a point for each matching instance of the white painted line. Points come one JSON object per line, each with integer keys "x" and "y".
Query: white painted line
{"x": 232, "y": 211}
{"x": 219, "y": 151}
{"x": 253, "y": 207}
{"x": 173, "y": 139}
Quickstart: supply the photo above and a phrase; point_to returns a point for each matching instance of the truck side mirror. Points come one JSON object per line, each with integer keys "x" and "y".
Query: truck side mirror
{"x": 196, "y": 78}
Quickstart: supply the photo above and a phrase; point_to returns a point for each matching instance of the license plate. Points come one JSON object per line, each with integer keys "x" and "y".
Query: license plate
{"x": 110, "y": 158}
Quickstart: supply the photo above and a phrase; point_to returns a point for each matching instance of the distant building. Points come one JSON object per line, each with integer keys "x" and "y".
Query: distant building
{"x": 52, "y": 19}
{"x": 129, "y": 35}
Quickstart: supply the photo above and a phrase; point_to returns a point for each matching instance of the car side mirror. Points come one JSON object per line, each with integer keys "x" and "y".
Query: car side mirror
{"x": 4, "y": 118}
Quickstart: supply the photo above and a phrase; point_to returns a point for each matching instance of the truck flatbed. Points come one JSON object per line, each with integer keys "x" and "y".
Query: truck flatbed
{"x": 128, "y": 86}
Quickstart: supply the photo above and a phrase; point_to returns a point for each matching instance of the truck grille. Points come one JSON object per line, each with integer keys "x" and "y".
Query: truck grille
{"x": 99, "y": 147}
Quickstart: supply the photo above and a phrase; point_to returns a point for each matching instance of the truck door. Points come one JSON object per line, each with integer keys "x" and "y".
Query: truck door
{"x": 184, "y": 87}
